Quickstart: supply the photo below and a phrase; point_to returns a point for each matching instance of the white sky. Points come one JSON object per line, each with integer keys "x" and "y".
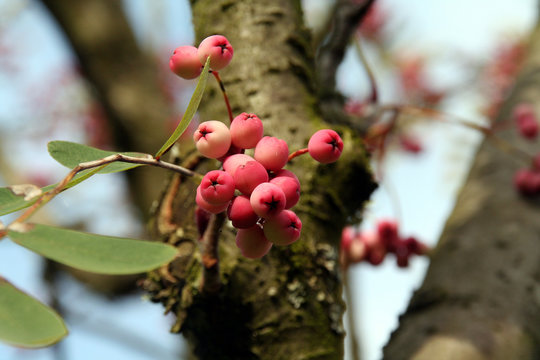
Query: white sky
{"x": 425, "y": 184}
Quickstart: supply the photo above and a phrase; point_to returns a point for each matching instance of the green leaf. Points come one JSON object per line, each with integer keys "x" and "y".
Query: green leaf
{"x": 9, "y": 202}
{"x": 26, "y": 322}
{"x": 71, "y": 154}
{"x": 91, "y": 252}
{"x": 190, "y": 111}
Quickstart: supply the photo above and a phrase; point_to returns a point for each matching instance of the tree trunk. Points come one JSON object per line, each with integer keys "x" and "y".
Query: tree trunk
{"x": 481, "y": 296}
{"x": 288, "y": 304}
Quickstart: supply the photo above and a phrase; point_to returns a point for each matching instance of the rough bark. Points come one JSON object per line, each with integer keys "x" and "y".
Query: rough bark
{"x": 288, "y": 304}
{"x": 124, "y": 80}
{"x": 481, "y": 296}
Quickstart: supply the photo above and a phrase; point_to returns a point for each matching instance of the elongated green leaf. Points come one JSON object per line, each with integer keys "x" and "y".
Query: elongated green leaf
{"x": 190, "y": 111}
{"x": 91, "y": 252}
{"x": 71, "y": 154}
{"x": 9, "y": 202}
{"x": 26, "y": 322}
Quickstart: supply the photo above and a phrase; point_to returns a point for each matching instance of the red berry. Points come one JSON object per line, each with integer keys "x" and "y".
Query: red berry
{"x": 290, "y": 187}
{"x": 218, "y": 48}
{"x": 248, "y": 176}
{"x": 283, "y": 229}
{"x": 272, "y": 153}
{"x": 285, "y": 172}
{"x": 185, "y": 62}
{"x": 252, "y": 242}
{"x": 526, "y": 121}
{"x": 241, "y": 213}
{"x": 212, "y": 139}
{"x": 267, "y": 200}
{"x": 231, "y": 163}
{"x": 325, "y": 146}
{"x": 217, "y": 187}
{"x": 246, "y": 130}
{"x": 205, "y": 205}
{"x": 387, "y": 231}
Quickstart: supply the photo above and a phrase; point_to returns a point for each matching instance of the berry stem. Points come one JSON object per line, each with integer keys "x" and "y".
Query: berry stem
{"x": 225, "y": 97}
{"x": 297, "y": 153}
{"x": 211, "y": 282}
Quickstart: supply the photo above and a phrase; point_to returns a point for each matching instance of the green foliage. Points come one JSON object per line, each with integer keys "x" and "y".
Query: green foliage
{"x": 91, "y": 252}
{"x": 190, "y": 111}
{"x": 26, "y": 322}
{"x": 71, "y": 154}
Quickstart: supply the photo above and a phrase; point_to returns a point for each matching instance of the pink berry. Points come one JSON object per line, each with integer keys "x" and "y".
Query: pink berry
{"x": 415, "y": 246}
{"x": 272, "y": 153}
{"x": 283, "y": 229}
{"x": 246, "y": 130}
{"x": 376, "y": 250}
{"x": 212, "y": 139}
{"x": 217, "y": 187}
{"x": 218, "y": 48}
{"x": 248, "y": 176}
{"x": 387, "y": 230}
{"x": 285, "y": 172}
{"x": 231, "y": 163}
{"x": 325, "y": 146}
{"x": 185, "y": 62}
{"x": 290, "y": 187}
{"x": 241, "y": 213}
{"x": 205, "y": 205}
{"x": 525, "y": 116}
{"x": 527, "y": 182}
{"x": 202, "y": 218}
{"x": 267, "y": 200}
{"x": 357, "y": 251}
{"x": 252, "y": 242}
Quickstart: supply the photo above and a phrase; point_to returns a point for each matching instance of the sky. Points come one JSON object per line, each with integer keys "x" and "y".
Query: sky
{"x": 425, "y": 185}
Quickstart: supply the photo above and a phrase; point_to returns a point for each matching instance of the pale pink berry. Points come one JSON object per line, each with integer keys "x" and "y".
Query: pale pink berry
{"x": 248, "y": 176}
{"x": 241, "y": 213}
{"x": 205, "y": 205}
{"x": 231, "y": 163}
{"x": 272, "y": 153}
{"x": 290, "y": 187}
{"x": 185, "y": 62}
{"x": 325, "y": 146}
{"x": 212, "y": 139}
{"x": 217, "y": 187}
{"x": 252, "y": 242}
{"x": 267, "y": 200}
{"x": 283, "y": 229}
{"x": 376, "y": 250}
{"x": 246, "y": 130}
{"x": 358, "y": 251}
{"x": 218, "y": 48}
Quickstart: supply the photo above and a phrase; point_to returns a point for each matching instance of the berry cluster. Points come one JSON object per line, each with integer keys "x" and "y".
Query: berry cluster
{"x": 256, "y": 191}
{"x": 373, "y": 246}
{"x": 187, "y": 61}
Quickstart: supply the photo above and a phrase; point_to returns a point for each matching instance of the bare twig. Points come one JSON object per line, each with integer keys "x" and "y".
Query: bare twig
{"x": 211, "y": 282}
{"x": 98, "y": 165}
{"x": 347, "y": 16}
{"x": 374, "y": 92}
{"x": 349, "y": 299}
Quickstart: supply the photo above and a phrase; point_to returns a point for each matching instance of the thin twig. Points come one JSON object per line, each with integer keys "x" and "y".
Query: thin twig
{"x": 373, "y": 98}
{"x": 211, "y": 282}
{"x": 99, "y": 164}
{"x": 225, "y": 97}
